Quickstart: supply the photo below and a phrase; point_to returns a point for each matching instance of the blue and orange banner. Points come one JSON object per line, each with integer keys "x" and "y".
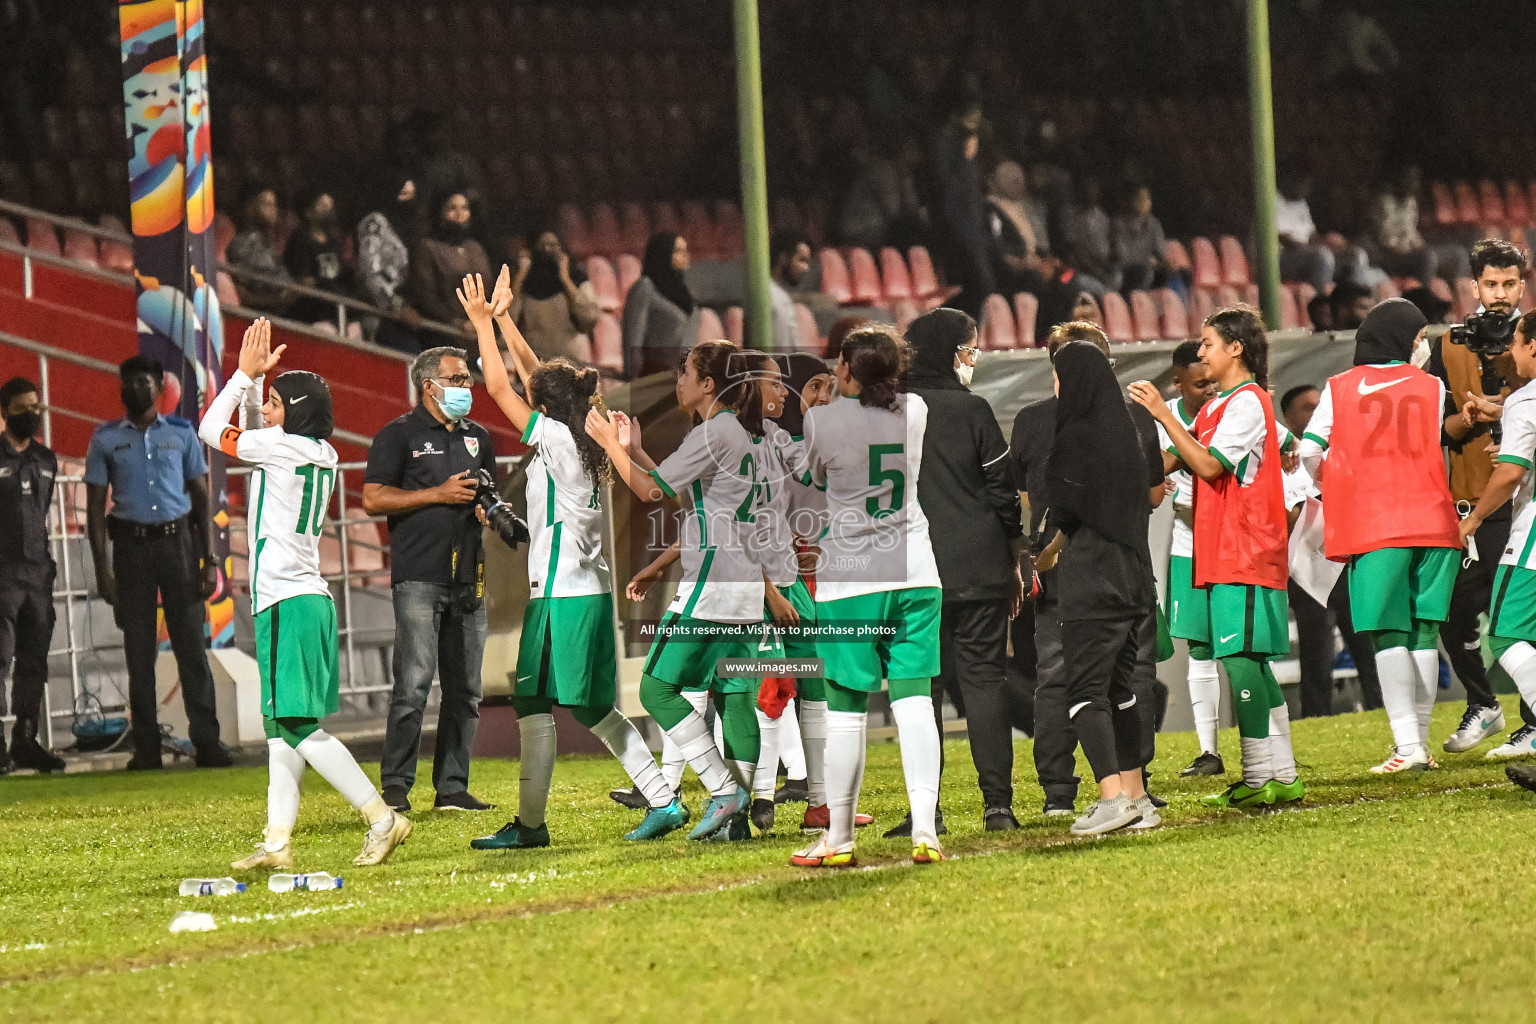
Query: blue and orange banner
{"x": 170, "y": 178}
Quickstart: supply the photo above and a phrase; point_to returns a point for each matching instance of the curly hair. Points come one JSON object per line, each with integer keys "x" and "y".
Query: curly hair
{"x": 564, "y": 391}
{"x": 877, "y": 360}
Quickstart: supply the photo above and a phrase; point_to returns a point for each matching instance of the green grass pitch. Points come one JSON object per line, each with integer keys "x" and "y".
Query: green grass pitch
{"x": 1379, "y": 899}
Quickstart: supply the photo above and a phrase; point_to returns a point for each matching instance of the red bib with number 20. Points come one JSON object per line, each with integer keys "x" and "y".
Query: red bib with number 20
{"x": 1384, "y": 482}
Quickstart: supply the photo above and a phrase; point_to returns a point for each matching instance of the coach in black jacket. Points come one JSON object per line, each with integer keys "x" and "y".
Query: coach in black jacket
{"x": 967, "y": 493}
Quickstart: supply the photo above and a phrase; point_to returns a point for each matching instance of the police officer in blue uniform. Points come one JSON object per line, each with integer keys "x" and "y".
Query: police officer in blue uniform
{"x": 27, "y": 472}
{"x": 161, "y": 533}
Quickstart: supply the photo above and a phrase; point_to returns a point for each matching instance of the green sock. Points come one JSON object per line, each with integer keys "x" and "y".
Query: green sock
{"x": 663, "y": 701}
{"x": 841, "y": 698}
{"x": 525, "y": 706}
{"x": 1201, "y": 650}
{"x": 902, "y": 688}
{"x": 739, "y": 728}
{"x": 1425, "y": 637}
{"x": 1251, "y": 695}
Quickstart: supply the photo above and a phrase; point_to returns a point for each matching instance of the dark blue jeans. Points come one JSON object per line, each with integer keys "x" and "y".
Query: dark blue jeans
{"x": 432, "y": 637}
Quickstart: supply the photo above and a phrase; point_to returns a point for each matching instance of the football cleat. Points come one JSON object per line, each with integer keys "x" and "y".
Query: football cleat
{"x": 794, "y": 791}
{"x": 377, "y": 848}
{"x": 630, "y": 797}
{"x": 762, "y": 814}
{"x": 819, "y": 818}
{"x": 1416, "y": 760}
{"x": 820, "y": 855}
{"x": 658, "y": 821}
{"x": 280, "y": 859}
{"x": 927, "y": 851}
{"x": 719, "y": 812}
{"x": 1239, "y": 794}
{"x": 1288, "y": 792}
{"x": 514, "y": 835}
{"x": 1205, "y": 764}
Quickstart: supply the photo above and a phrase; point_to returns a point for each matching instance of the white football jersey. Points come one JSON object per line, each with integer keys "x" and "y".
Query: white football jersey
{"x": 565, "y": 516}
{"x": 868, "y": 460}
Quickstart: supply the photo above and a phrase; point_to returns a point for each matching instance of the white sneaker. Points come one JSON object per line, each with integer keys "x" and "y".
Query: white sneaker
{"x": 1149, "y": 816}
{"x": 1521, "y": 743}
{"x": 1416, "y": 759}
{"x": 1477, "y": 725}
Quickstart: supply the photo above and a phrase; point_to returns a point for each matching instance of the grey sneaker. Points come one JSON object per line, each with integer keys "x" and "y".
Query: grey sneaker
{"x": 1477, "y": 724}
{"x": 1149, "y": 816}
{"x": 1107, "y": 816}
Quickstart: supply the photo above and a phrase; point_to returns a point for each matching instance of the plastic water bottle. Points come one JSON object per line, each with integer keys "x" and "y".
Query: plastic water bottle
{"x": 211, "y": 887}
{"x": 303, "y": 883}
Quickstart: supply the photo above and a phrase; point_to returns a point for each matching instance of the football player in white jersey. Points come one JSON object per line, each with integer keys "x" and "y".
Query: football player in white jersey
{"x": 566, "y": 653}
{"x": 295, "y": 616}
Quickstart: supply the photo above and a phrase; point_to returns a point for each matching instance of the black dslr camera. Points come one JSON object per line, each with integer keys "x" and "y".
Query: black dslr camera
{"x": 1487, "y": 335}
{"x": 498, "y": 514}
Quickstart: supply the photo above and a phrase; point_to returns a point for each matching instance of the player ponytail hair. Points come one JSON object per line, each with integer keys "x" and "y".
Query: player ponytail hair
{"x": 712, "y": 361}
{"x": 1243, "y": 324}
{"x": 877, "y": 361}
{"x": 748, "y": 370}
{"x": 564, "y": 391}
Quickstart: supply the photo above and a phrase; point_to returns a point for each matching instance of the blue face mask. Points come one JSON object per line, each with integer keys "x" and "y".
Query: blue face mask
{"x": 455, "y": 402}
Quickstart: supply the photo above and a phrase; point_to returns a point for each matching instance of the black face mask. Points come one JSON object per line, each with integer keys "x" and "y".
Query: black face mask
{"x": 24, "y": 424}
{"x": 453, "y": 232}
{"x": 138, "y": 397}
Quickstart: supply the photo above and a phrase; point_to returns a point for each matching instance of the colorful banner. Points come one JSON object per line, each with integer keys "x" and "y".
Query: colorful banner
{"x": 170, "y": 175}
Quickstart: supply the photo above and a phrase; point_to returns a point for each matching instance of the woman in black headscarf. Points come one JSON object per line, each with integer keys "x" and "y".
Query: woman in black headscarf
{"x": 1098, "y": 482}
{"x": 661, "y": 318}
{"x": 384, "y": 239}
{"x": 552, "y": 301}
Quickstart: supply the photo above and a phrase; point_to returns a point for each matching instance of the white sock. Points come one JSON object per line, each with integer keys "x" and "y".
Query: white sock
{"x": 1282, "y": 761}
{"x": 1426, "y": 666}
{"x": 285, "y": 776}
{"x": 672, "y": 760}
{"x": 844, "y": 749}
{"x": 813, "y": 738}
{"x": 919, "y": 738}
{"x": 767, "y": 773}
{"x": 698, "y": 748}
{"x": 744, "y": 773}
{"x": 791, "y": 750}
{"x": 329, "y": 756}
{"x": 624, "y": 741}
{"x": 1205, "y": 702}
{"x": 537, "y": 767}
{"x": 1399, "y": 695}
{"x": 1257, "y": 767}
{"x": 1520, "y": 662}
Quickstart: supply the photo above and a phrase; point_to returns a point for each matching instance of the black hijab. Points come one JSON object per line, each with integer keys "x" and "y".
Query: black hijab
{"x": 934, "y": 337}
{"x": 306, "y": 404}
{"x": 404, "y": 218}
{"x": 657, "y": 265}
{"x": 798, "y": 369}
{"x": 543, "y": 280}
{"x": 1388, "y": 333}
{"x": 1097, "y": 473}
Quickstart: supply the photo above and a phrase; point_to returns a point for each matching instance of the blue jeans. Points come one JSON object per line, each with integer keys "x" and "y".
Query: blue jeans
{"x": 432, "y": 637}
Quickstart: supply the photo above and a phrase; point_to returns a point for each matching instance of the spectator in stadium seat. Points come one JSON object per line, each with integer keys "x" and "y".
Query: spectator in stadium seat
{"x": 552, "y": 300}
{"x": 882, "y": 206}
{"x": 661, "y": 317}
{"x": 967, "y": 242}
{"x": 789, "y": 258}
{"x": 1086, "y": 235}
{"x": 441, "y": 260}
{"x": 1062, "y": 296}
{"x": 253, "y": 249}
{"x": 384, "y": 238}
{"x": 1349, "y": 305}
{"x": 1394, "y": 243}
{"x": 314, "y": 258}
{"x": 1016, "y": 224}
{"x": 1303, "y": 256}
{"x": 1140, "y": 244}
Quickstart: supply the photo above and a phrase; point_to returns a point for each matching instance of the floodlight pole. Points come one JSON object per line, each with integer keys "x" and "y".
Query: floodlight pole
{"x": 1261, "y": 125}
{"x": 754, "y": 173}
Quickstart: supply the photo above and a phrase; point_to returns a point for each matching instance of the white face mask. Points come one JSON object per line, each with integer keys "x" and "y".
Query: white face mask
{"x": 1420, "y": 353}
{"x": 964, "y": 372}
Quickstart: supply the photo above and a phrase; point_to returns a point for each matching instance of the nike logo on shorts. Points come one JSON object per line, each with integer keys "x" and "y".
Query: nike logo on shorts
{"x": 1228, "y": 639}
{"x": 1371, "y": 389}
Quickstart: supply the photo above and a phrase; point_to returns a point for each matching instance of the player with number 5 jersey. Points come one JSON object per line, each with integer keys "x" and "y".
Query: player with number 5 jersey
{"x": 1375, "y": 441}
{"x": 296, "y": 652}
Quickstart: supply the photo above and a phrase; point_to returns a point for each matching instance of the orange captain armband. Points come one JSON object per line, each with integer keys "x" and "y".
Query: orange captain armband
{"x": 229, "y": 438}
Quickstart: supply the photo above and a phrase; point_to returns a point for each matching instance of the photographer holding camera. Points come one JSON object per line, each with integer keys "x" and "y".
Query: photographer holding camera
{"x": 424, "y": 473}
{"x": 1473, "y": 361}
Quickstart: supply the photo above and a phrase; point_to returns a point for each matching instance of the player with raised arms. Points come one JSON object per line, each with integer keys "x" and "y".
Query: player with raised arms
{"x": 1240, "y": 543}
{"x": 877, "y": 571}
{"x": 296, "y": 651}
{"x": 566, "y": 654}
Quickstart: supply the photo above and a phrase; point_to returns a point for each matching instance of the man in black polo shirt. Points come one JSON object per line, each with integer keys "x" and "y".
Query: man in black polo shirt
{"x": 421, "y": 474}
{"x": 27, "y": 471}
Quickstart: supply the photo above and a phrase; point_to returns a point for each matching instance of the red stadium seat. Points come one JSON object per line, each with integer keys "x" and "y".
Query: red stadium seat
{"x": 1491, "y": 203}
{"x": 1026, "y": 310}
{"x": 1201, "y": 305}
{"x": 81, "y": 248}
{"x": 699, "y": 230}
{"x": 1234, "y": 262}
{"x": 1117, "y": 319}
{"x": 1144, "y": 317}
{"x": 997, "y": 329}
{"x": 1466, "y": 298}
{"x": 1290, "y": 316}
{"x": 1175, "y": 317}
{"x": 1251, "y": 295}
{"x": 925, "y": 283}
{"x": 809, "y": 339}
{"x": 1207, "y": 266}
{"x": 866, "y": 278}
{"x": 608, "y": 343}
{"x": 629, "y": 271}
{"x": 634, "y": 228}
{"x": 1227, "y": 295}
{"x": 573, "y": 231}
{"x": 8, "y": 232}
{"x": 905, "y": 311}
{"x": 605, "y": 237}
{"x": 736, "y": 325}
{"x": 1444, "y": 204}
{"x": 834, "y": 276}
{"x": 664, "y": 218}
{"x": 42, "y": 237}
{"x": 224, "y": 287}
{"x": 893, "y": 273}
{"x": 710, "y": 327}
{"x": 1517, "y": 209}
{"x": 1305, "y": 293}
{"x": 1467, "y": 211}
{"x": 605, "y": 283}
{"x": 1176, "y": 255}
